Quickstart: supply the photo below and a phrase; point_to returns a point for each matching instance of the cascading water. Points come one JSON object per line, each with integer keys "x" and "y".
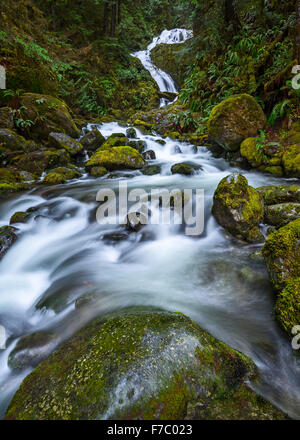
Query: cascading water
{"x": 64, "y": 254}
{"x": 164, "y": 81}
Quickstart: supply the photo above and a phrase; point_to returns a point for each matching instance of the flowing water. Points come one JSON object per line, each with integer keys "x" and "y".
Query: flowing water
{"x": 165, "y": 82}
{"x": 64, "y": 254}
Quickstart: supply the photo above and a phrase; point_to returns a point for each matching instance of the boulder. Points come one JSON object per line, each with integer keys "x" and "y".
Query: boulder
{"x": 12, "y": 180}
{"x": 7, "y": 239}
{"x": 234, "y": 120}
{"x": 40, "y": 161}
{"x": 141, "y": 364}
{"x": 62, "y": 141}
{"x": 14, "y": 142}
{"x": 238, "y": 208}
{"x": 282, "y": 214}
{"x": 291, "y": 160}
{"x": 6, "y": 117}
{"x": 273, "y": 195}
{"x": 92, "y": 140}
{"x": 115, "y": 140}
{"x": 135, "y": 221}
{"x": 282, "y": 255}
{"x": 19, "y": 217}
{"x": 98, "y": 171}
{"x": 31, "y": 349}
{"x": 182, "y": 168}
{"x": 151, "y": 170}
{"x": 287, "y": 308}
{"x": 131, "y": 133}
{"x": 137, "y": 145}
{"x": 116, "y": 158}
{"x": 60, "y": 175}
{"x": 250, "y": 152}
{"x": 149, "y": 155}
{"x": 49, "y": 115}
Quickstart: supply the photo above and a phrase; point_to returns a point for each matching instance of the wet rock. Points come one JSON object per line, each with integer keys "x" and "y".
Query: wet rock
{"x": 291, "y": 160}
{"x": 149, "y": 155}
{"x": 160, "y": 141}
{"x": 115, "y": 236}
{"x": 182, "y": 168}
{"x": 238, "y": 208}
{"x": 60, "y": 175}
{"x": 11, "y": 180}
{"x": 137, "y": 145}
{"x": 287, "y": 308}
{"x": 98, "y": 171}
{"x": 14, "y": 142}
{"x": 234, "y": 120}
{"x": 7, "y": 239}
{"x": 92, "y": 140}
{"x": 177, "y": 150}
{"x": 273, "y": 195}
{"x": 19, "y": 217}
{"x": 6, "y": 117}
{"x": 135, "y": 221}
{"x": 282, "y": 214}
{"x": 141, "y": 364}
{"x": 64, "y": 142}
{"x": 151, "y": 170}
{"x": 115, "y": 140}
{"x": 250, "y": 152}
{"x": 131, "y": 133}
{"x": 282, "y": 255}
{"x": 116, "y": 159}
{"x": 31, "y": 350}
{"x": 40, "y": 161}
{"x": 49, "y": 115}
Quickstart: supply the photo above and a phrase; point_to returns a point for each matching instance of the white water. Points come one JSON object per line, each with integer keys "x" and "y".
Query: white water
{"x": 164, "y": 81}
{"x": 63, "y": 255}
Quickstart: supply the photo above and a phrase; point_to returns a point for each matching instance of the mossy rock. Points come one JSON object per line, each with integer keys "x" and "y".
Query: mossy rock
{"x": 287, "y": 308}
{"x": 282, "y": 254}
{"x": 116, "y": 158}
{"x": 115, "y": 140}
{"x": 19, "y": 217}
{"x": 139, "y": 364}
{"x": 238, "y": 208}
{"x": 65, "y": 142}
{"x": 98, "y": 171}
{"x": 49, "y": 115}
{"x": 282, "y": 214}
{"x": 293, "y": 135}
{"x": 131, "y": 133}
{"x": 151, "y": 170}
{"x": 11, "y": 180}
{"x": 32, "y": 349}
{"x": 234, "y": 120}
{"x": 291, "y": 160}
{"x": 273, "y": 195}
{"x": 92, "y": 140}
{"x": 149, "y": 155}
{"x": 38, "y": 162}
{"x": 140, "y": 146}
{"x": 7, "y": 239}
{"x": 274, "y": 170}
{"x": 6, "y": 118}
{"x": 12, "y": 141}
{"x": 182, "y": 168}
{"x": 60, "y": 175}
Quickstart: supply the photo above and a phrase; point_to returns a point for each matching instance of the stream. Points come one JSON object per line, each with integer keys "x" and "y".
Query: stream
{"x": 64, "y": 254}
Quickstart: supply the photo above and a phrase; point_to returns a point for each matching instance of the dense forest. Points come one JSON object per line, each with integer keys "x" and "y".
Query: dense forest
{"x": 134, "y": 315}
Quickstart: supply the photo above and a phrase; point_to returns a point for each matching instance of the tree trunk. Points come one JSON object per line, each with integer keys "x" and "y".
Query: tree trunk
{"x": 105, "y": 24}
{"x": 231, "y": 17}
{"x": 113, "y": 19}
{"x": 297, "y": 38}
{"x": 119, "y": 12}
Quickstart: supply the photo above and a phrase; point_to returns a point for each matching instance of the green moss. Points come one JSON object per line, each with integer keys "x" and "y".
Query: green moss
{"x": 98, "y": 171}
{"x": 182, "y": 168}
{"x": 37, "y": 162}
{"x": 116, "y": 158}
{"x": 19, "y": 217}
{"x": 250, "y": 152}
{"x": 273, "y": 195}
{"x": 282, "y": 254}
{"x": 116, "y": 368}
{"x": 237, "y": 118}
{"x": 291, "y": 161}
{"x": 287, "y": 307}
{"x": 282, "y": 214}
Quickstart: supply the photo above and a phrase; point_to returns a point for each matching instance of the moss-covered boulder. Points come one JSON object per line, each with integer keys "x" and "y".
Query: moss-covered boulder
{"x": 116, "y": 158}
{"x": 291, "y": 160}
{"x": 141, "y": 365}
{"x": 32, "y": 349}
{"x": 11, "y": 180}
{"x": 151, "y": 170}
{"x": 48, "y": 115}
{"x": 7, "y": 239}
{"x": 12, "y": 141}
{"x": 65, "y": 142}
{"x": 149, "y": 155}
{"x": 293, "y": 135}
{"x": 60, "y": 175}
{"x": 19, "y": 217}
{"x": 98, "y": 171}
{"x": 287, "y": 308}
{"x": 250, "y": 152}
{"x": 238, "y": 208}
{"x": 115, "y": 140}
{"x": 282, "y": 255}
{"x": 6, "y": 117}
{"x": 273, "y": 195}
{"x": 131, "y": 133}
{"x": 234, "y": 120}
{"x": 92, "y": 140}
{"x": 182, "y": 168}
{"x": 137, "y": 145}
{"x": 40, "y": 161}
{"x": 282, "y": 214}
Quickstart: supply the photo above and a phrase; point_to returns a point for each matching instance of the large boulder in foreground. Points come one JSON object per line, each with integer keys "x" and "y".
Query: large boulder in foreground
{"x": 48, "y": 114}
{"x": 141, "y": 364}
{"x": 238, "y": 208}
{"x": 116, "y": 158}
{"x": 235, "y": 119}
